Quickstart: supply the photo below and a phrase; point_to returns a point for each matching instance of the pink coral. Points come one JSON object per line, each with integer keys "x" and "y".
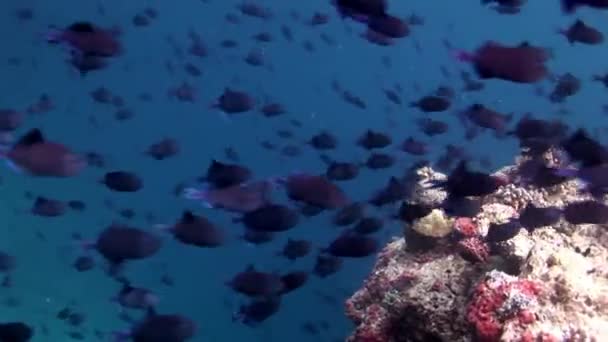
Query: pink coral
{"x": 466, "y": 227}
{"x": 374, "y": 327}
{"x": 473, "y": 249}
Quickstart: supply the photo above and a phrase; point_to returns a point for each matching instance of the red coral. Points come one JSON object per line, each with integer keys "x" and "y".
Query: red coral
{"x": 483, "y": 309}
{"x": 473, "y": 249}
{"x": 482, "y": 313}
{"x": 466, "y": 227}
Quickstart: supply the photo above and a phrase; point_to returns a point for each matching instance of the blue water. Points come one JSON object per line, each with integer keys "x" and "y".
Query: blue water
{"x": 44, "y": 280}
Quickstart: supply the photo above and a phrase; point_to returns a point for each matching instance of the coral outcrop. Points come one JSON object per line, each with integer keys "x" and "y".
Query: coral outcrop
{"x": 545, "y": 284}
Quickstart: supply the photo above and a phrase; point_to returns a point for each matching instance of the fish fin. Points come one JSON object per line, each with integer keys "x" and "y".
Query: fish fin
{"x": 53, "y": 35}
{"x": 188, "y": 217}
{"x": 12, "y": 166}
{"x": 198, "y": 195}
{"x": 32, "y": 137}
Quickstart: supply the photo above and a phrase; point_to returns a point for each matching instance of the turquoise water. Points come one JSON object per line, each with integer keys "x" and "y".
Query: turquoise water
{"x": 44, "y": 281}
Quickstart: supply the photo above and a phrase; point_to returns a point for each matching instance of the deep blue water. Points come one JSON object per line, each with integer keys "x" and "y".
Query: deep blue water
{"x": 44, "y": 281}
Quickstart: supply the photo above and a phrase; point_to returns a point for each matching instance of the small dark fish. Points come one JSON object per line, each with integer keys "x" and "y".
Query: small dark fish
{"x": 567, "y": 86}
{"x": 119, "y": 243}
{"x": 586, "y": 212}
{"x": 122, "y": 181}
{"x": 393, "y": 96}
{"x": 535, "y": 172}
{"x": 431, "y": 127}
{"x": 361, "y": 10}
{"x": 368, "y": 225}
{"x": 7, "y": 262}
{"x": 293, "y": 281}
{"x": 410, "y": 212}
{"x": 378, "y": 161}
{"x": 569, "y": 6}
{"x": 348, "y": 214}
{"x": 503, "y": 231}
{"x": 595, "y": 178}
{"x": 87, "y": 39}
{"x": 389, "y": 26}
{"x": 529, "y": 128}
{"x": 272, "y": 109}
{"x": 295, "y": 249}
{"x": 258, "y": 310}
{"x": 10, "y": 119}
{"x": 157, "y": 327}
{"x": 462, "y": 182}
{"x": 271, "y": 218}
{"x": 77, "y": 205}
{"x": 39, "y": 157}
{"x": 432, "y": 104}
{"x": 197, "y": 231}
{"x": 48, "y": 207}
{"x": 579, "y": 32}
{"x": 315, "y": 190}
{"x": 255, "y": 10}
{"x": 353, "y": 246}
{"x": 485, "y": 117}
{"x": 462, "y": 206}
{"x": 326, "y": 265}
{"x": 240, "y": 198}
{"x": 374, "y": 140}
{"x": 394, "y": 191}
{"x": 223, "y": 175}
{"x": 135, "y": 297}
{"x": 234, "y": 102}
{"x": 414, "y": 147}
{"x": 533, "y": 217}
{"x": 163, "y": 149}
{"x": 84, "y": 263}
{"x": 257, "y": 237}
{"x": 253, "y": 283}
{"x": 342, "y": 171}
{"x": 323, "y": 141}
{"x": 582, "y": 148}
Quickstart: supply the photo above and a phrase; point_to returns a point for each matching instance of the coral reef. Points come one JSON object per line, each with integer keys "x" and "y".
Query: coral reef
{"x": 544, "y": 284}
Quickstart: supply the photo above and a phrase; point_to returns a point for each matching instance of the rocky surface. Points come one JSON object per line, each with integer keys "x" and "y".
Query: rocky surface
{"x": 547, "y": 284}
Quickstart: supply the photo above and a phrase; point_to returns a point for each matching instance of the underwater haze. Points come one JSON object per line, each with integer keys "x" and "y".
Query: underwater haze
{"x": 244, "y": 83}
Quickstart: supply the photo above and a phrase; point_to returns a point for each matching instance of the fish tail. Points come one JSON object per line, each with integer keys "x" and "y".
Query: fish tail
{"x": 201, "y": 195}
{"x": 53, "y": 35}
{"x": 563, "y": 172}
{"x": 277, "y": 181}
{"x": 462, "y": 55}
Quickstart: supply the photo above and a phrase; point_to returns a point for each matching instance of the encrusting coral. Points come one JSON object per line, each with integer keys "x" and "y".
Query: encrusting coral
{"x": 546, "y": 284}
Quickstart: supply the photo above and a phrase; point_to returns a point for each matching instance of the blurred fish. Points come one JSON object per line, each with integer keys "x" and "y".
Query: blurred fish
{"x": 159, "y": 327}
{"x": 253, "y": 283}
{"x": 586, "y": 212}
{"x": 240, "y": 198}
{"x": 122, "y": 181}
{"x": 579, "y": 32}
{"x": 258, "y": 310}
{"x": 196, "y": 230}
{"x": 350, "y": 245}
{"x": 523, "y": 63}
{"x": 38, "y": 157}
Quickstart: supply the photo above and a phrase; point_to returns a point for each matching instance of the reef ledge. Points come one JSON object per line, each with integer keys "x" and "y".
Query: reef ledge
{"x": 545, "y": 284}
